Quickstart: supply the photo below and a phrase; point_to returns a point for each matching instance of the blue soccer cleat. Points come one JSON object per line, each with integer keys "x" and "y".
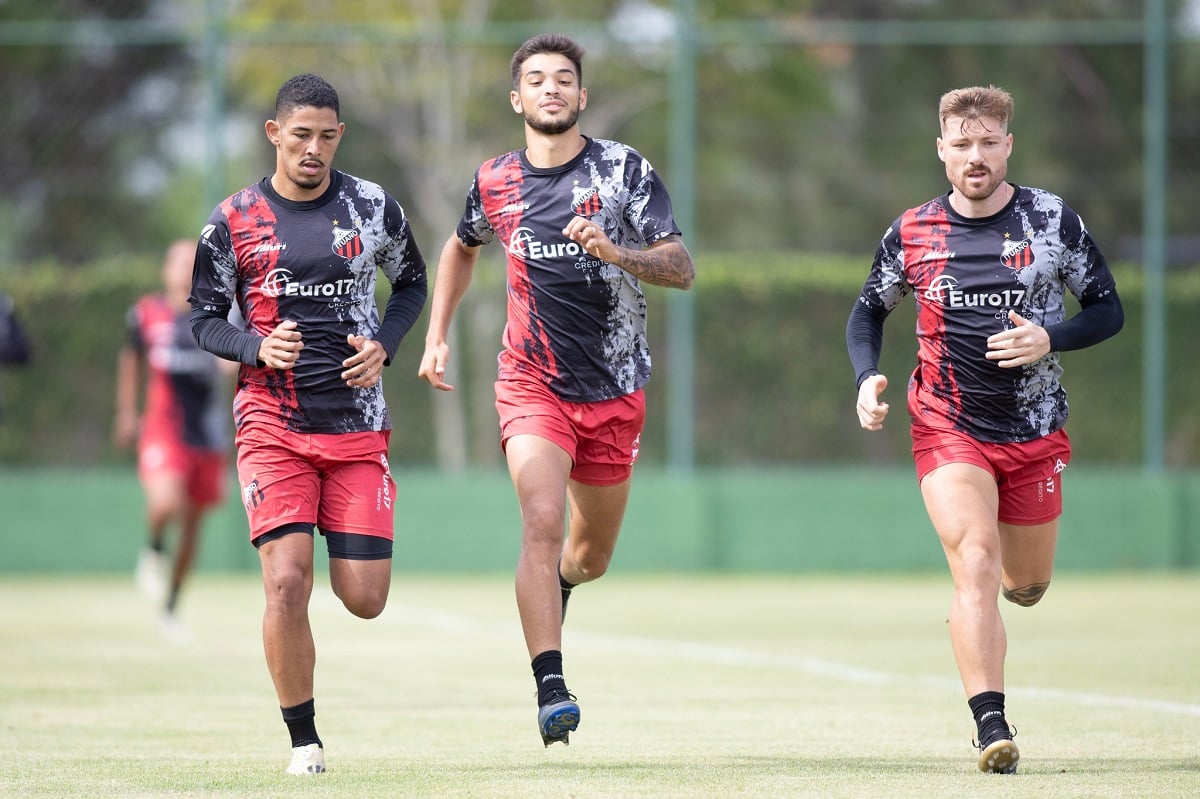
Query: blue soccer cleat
{"x": 558, "y": 718}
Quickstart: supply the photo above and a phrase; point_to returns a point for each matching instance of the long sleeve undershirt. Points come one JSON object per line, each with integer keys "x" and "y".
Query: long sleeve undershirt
{"x": 214, "y": 333}
{"x": 1096, "y": 321}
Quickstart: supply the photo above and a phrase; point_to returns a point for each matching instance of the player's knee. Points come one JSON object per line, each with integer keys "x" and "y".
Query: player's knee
{"x": 590, "y": 561}
{"x": 542, "y": 522}
{"x": 365, "y": 610}
{"x": 594, "y": 566}
{"x": 366, "y": 605}
{"x": 288, "y": 590}
{"x": 1026, "y": 595}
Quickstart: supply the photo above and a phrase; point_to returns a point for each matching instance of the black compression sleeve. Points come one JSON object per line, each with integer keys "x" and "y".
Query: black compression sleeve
{"x": 864, "y": 340}
{"x": 403, "y": 307}
{"x": 214, "y": 333}
{"x": 1096, "y": 321}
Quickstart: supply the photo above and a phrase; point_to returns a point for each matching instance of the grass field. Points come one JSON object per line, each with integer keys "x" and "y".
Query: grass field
{"x": 708, "y": 686}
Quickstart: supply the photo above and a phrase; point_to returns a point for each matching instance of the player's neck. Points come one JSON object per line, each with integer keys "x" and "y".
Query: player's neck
{"x": 546, "y": 151}
{"x": 288, "y": 189}
{"x": 978, "y": 209}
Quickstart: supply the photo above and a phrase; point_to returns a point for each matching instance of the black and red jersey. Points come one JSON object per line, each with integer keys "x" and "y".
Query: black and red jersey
{"x": 184, "y": 401}
{"x": 966, "y": 274}
{"x": 313, "y": 263}
{"x": 575, "y": 322}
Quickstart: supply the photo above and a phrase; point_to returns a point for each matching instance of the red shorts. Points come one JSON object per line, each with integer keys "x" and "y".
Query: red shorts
{"x": 1028, "y": 474}
{"x": 601, "y": 437}
{"x": 337, "y": 481}
{"x": 201, "y": 470}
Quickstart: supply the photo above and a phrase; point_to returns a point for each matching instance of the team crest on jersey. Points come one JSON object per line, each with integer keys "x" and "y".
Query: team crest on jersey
{"x": 588, "y": 203}
{"x": 1017, "y": 255}
{"x": 347, "y": 242}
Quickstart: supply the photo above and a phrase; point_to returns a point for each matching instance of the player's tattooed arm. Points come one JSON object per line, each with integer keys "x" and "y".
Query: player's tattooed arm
{"x": 667, "y": 262}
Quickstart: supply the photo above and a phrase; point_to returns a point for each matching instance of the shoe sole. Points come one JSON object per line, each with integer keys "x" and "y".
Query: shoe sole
{"x": 559, "y": 724}
{"x": 306, "y": 771}
{"x": 1000, "y": 757}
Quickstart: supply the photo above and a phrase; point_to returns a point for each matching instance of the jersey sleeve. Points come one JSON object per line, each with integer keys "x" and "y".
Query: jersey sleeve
{"x": 886, "y": 284}
{"x": 1085, "y": 270}
{"x": 883, "y": 290}
{"x": 404, "y": 266}
{"x": 214, "y": 286}
{"x": 214, "y": 274}
{"x": 1086, "y": 274}
{"x": 474, "y": 229}
{"x": 649, "y": 208}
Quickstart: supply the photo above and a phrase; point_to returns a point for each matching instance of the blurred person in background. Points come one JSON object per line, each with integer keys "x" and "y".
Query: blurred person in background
{"x": 988, "y": 263}
{"x": 582, "y": 221}
{"x": 298, "y": 253}
{"x": 181, "y": 432}
{"x": 14, "y": 344}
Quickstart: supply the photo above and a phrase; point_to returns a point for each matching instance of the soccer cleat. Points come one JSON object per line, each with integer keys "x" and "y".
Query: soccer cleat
{"x": 558, "y": 718}
{"x": 309, "y": 759}
{"x": 1000, "y": 756}
{"x": 150, "y": 575}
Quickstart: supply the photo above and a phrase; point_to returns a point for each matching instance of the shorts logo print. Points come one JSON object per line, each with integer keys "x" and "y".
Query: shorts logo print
{"x": 252, "y": 495}
{"x": 384, "y": 498}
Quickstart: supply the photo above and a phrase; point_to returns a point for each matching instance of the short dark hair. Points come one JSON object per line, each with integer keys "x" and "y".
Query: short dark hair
{"x": 306, "y": 90}
{"x": 548, "y": 43}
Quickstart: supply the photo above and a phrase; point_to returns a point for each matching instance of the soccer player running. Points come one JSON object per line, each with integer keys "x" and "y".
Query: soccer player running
{"x": 582, "y": 221}
{"x": 297, "y": 252}
{"x": 182, "y": 435}
{"x": 988, "y": 264}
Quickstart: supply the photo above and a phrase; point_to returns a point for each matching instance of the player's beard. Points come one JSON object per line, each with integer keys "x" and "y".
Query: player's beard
{"x": 308, "y": 182}
{"x": 976, "y": 193}
{"x": 553, "y": 127}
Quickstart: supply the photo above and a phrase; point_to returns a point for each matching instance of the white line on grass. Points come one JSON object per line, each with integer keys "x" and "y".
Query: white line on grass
{"x": 457, "y": 624}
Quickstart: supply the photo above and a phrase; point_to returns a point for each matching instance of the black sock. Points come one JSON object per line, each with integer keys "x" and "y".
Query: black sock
{"x": 565, "y": 587}
{"x": 990, "y": 724}
{"x": 173, "y": 599}
{"x": 301, "y": 723}
{"x": 547, "y": 673}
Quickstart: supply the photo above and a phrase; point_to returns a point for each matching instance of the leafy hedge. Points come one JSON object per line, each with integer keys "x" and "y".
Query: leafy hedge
{"x": 773, "y": 384}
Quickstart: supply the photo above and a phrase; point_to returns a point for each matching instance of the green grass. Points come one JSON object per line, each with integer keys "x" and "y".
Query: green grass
{"x": 690, "y": 687}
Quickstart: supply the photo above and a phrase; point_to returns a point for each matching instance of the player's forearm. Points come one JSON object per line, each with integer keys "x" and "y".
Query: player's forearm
{"x": 215, "y": 334}
{"x": 127, "y": 377}
{"x": 665, "y": 263}
{"x": 454, "y": 270}
{"x": 1096, "y": 321}
{"x": 403, "y": 307}
{"x": 864, "y": 340}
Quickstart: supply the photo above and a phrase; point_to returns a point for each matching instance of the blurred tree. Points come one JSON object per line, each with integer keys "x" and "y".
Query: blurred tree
{"x": 82, "y": 156}
{"x": 804, "y": 142}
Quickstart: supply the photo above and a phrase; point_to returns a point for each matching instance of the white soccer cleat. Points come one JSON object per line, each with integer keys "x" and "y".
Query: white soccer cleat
{"x": 308, "y": 759}
{"x": 151, "y": 575}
